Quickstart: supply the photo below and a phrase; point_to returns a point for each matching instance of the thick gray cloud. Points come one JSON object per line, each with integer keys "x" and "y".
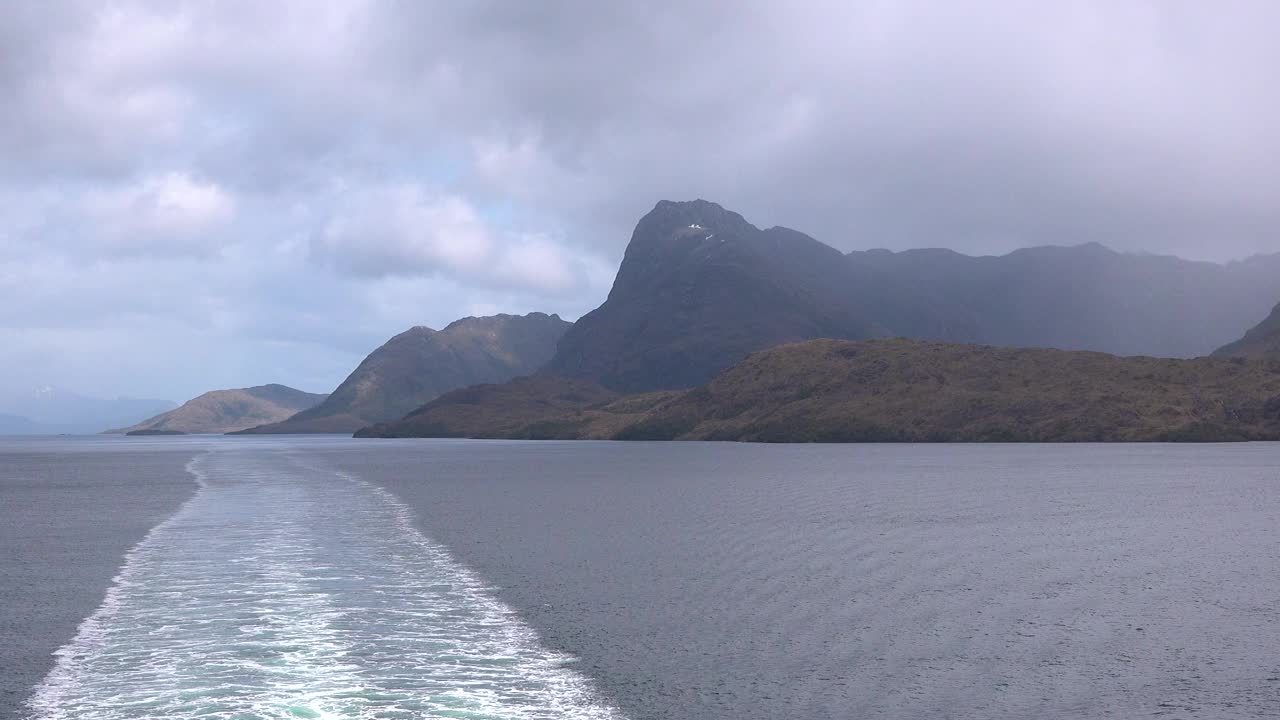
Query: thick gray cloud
{"x": 209, "y": 194}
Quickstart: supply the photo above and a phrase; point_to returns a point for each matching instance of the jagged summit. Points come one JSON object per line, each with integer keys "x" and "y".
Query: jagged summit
{"x": 493, "y": 321}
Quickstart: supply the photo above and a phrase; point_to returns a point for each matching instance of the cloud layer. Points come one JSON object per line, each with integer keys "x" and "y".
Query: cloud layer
{"x": 202, "y": 194}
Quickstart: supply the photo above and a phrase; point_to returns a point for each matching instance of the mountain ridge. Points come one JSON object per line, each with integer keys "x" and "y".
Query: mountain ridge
{"x": 422, "y": 363}
{"x": 699, "y": 288}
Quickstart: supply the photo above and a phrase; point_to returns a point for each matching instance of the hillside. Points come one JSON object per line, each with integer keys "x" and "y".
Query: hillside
{"x": 699, "y": 288}
{"x": 540, "y": 407}
{"x": 1261, "y": 339}
{"x": 421, "y": 364}
{"x": 897, "y": 390}
{"x": 222, "y": 411}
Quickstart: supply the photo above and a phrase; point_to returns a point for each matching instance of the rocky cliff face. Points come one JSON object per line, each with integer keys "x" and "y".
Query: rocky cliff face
{"x": 421, "y": 364}
{"x": 698, "y": 289}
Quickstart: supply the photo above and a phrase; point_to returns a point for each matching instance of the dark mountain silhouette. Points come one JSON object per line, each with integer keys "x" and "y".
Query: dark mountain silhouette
{"x": 1261, "y": 339}
{"x": 420, "y": 364}
{"x": 699, "y": 288}
{"x": 222, "y": 411}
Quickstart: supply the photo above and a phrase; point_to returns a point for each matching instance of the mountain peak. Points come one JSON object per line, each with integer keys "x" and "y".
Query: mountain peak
{"x": 669, "y": 216}
{"x": 698, "y": 289}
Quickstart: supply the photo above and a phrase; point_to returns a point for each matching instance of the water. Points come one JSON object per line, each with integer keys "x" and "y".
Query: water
{"x": 340, "y": 578}
{"x": 286, "y": 590}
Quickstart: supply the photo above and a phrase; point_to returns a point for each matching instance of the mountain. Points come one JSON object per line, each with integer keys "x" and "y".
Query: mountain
{"x": 420, "y": 364}
{"x": 54, "y": 410}
{"x": 1085, "y": 297}
{"x": 890, "y": 390}
{"x": 222, "y": 411}
{"x": 1261, "y": 339}
{"x": 18, "y": 425}
{"x": 700, "y": 288}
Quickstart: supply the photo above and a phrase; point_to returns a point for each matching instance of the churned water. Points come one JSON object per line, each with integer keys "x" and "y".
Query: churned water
{"x": 283, "y": 589}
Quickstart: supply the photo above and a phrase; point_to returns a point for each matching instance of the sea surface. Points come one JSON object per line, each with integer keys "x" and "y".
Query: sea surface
{"x": 335, "y": 578}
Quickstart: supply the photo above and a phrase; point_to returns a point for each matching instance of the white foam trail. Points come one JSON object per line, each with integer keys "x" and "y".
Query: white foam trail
{"x": 282, "y": 591}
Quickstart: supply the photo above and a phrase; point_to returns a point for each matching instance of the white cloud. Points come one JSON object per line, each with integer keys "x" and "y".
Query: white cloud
{"x": 406, "y": 230}
{"x": 163, "y": 214}
{"x": 536, "y": 262}
{"x": 403, "y": 230}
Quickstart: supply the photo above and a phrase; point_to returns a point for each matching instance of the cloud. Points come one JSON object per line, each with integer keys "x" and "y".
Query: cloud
{"x": 406, "y": 230}
{"x": 327, "y": 172}
{"x": 162, "y": 214}
{"x": 402, "y": 229}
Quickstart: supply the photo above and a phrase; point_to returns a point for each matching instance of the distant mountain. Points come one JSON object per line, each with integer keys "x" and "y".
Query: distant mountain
{"x": 421, "y": 364}
{"x": 889, "y": 390}
{"x": 222, "y": 411}
{"x": 54, "y": 410}
{"x": 18, "y": 425}
{"x": 1261, "y": 339}
{"x": 699, "y": 288}
{"x": 1085, "y": 297}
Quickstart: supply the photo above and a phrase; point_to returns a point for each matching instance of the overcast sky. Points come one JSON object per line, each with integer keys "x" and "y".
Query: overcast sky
{"x": 204, "y": 195}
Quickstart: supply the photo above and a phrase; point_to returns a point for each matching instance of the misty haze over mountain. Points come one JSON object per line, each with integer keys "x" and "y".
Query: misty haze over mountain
{"x": 48, "y": 410}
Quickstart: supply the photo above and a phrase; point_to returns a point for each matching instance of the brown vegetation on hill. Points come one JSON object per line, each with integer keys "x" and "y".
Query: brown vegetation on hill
{"x": 892, "y": 391}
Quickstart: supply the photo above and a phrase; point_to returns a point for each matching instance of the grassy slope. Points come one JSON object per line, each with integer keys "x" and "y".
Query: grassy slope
{"x": 529, "y": 408}
{"x": 891, "y": 390}
{"x": 900, "y": 390}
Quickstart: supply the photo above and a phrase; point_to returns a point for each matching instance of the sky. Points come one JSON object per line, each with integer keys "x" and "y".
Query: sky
{"x": 196, "y": 195}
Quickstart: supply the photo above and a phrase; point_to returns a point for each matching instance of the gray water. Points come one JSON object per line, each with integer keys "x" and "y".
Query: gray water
{"x": 339, "y": 578}
{"x": 68, "y": 512}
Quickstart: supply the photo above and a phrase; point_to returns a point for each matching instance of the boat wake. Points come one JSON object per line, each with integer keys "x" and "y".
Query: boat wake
{"x": 283, "y": 590}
